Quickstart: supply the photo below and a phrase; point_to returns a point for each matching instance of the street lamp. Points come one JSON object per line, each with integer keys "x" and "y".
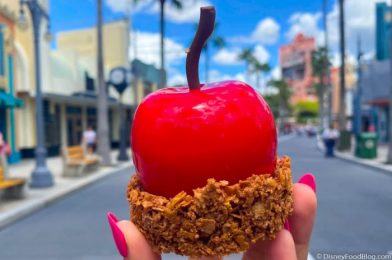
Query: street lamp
{"x": 120, "y": 78}
{"x": 41, "y": 176}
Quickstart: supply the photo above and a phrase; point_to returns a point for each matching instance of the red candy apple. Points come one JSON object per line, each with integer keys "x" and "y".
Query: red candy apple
{"x": 183, "y": 136}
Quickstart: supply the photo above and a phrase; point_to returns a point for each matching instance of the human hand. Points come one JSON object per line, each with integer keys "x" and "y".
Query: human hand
{"x": 290, "y": 243}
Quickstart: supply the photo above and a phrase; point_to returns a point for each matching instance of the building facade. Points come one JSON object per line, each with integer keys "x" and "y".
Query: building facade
{"x": 375, "y": 80}
{"x": 351, "y": 82}
{"x": 9, "y": 103}
{"x": 383, "y": 30}
{"x": 68, "y": 82}
{"x": 146, "y": 79}
{"x": 375, "y": 83}
{"x": 71, "y": 100}
{"x": 23, "y": 80}
{"x": 295, "y": 61}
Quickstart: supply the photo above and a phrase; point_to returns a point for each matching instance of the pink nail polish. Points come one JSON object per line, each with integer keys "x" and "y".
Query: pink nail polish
{"x": 308, "y": 179}
{"x": 286, "y": 225}
{"x": 118, "y": 236}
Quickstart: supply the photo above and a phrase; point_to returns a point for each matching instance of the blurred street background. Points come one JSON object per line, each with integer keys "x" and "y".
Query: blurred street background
{"x": 72, "y": 74}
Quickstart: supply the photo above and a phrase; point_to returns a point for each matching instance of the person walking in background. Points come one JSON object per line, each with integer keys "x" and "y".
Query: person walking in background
{"x": 90, "y": 139}
{"x": 330, "y": 135}
{"x": 5, "y": 151}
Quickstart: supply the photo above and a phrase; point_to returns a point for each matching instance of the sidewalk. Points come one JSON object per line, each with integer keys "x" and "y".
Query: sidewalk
{"x": 35, "y": 199}
{"x": 377, "y": 163}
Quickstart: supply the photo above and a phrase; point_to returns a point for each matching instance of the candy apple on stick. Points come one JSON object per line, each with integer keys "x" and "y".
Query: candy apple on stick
{"x": 208, "y": 180}
{"x": 183, "y": 136}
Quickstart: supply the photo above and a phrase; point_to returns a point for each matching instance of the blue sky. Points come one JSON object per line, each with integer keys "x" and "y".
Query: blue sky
{"x": 261, "y": 24}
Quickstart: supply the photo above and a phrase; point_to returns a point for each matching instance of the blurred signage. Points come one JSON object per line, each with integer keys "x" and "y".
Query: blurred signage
{"x": 388, "y": 17}
{"x": 295, "y": 58}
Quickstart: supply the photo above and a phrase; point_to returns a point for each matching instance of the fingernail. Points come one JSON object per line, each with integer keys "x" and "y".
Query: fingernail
{"x": 308, "y": 179}
{"x": 286, "y": 225}
{"x": 118, "y": 235}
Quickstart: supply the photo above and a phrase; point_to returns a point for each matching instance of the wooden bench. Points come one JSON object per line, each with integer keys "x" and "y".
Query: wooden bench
{"x": 13, "y": 187}
{"x": 76, "y": 162}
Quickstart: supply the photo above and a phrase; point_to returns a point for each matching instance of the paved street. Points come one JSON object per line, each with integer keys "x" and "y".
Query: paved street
{"x": 354, "y": 213}
{"x": 355, "y": 202}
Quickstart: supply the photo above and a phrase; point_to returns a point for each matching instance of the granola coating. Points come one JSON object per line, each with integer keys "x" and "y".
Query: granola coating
{"x": 218, "y": 219}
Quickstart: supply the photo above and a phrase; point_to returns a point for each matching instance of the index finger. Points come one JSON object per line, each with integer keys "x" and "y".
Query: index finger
{"x": 138, "y": 247}
{"x": 302, "y": 220}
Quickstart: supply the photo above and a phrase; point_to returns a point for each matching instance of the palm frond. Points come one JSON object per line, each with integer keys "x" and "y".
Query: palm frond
{"x": 218, "y": 42}
{"x": 177, "y": 4}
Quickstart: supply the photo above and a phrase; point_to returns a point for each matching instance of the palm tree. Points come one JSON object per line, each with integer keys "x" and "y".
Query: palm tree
{"x": 247, "y": 56}
{"x": 320, "y": 62}
{"x": 344, "y": 139}
{"x": 284, "y": 95}
{"x": 178, "y": 5}
{"x": 259, "y": 69}
{"x": 217, "y": 42}
{"x": 103, "y": 130}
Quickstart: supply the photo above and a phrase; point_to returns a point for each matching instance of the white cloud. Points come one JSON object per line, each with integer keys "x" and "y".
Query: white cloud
{"x": 216, "y": 76}
{"x": 227, "y": 56}
{"x": 177, "y": 79}
{"x": 261, "y": 54}
{"x": 148, "y": 49}
{"x": 240, "y": 77}
{"x": 359, "y": 22}
{"x": 307, "y": 24}
{"x": 231, "y": 56}
{"x": 190, "y": 11}
{"x": 126, "y": 6}
{"x": 266, "y": 32}
{"x": 276, "y": 73}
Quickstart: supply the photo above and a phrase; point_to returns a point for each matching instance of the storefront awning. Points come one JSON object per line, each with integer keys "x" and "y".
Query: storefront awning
{"x": 81, "y": 100}
{"x": 9, "y": 100}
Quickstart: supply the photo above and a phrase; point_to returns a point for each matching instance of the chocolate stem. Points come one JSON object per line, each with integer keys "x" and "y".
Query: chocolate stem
{"x": 204, "y": 30}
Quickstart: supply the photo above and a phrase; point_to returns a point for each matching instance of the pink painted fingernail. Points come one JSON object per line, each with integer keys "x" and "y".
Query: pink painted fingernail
{"x": 308, "y": 179}
{"x": 287, "y": 225}
{"x": 118, "y": 235}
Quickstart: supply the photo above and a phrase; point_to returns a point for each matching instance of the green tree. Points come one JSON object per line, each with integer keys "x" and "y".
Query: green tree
{"x": 284, "y": 94}
{"x": 253, "y": 65}
{"x": 320, "y": 63}
{"x": 273, "y": 102}
{"x": 259, "y": 69}
{"x": 306, "y": 110}
{"x": 280, "y": 102}
{"x": 246, "y": 55}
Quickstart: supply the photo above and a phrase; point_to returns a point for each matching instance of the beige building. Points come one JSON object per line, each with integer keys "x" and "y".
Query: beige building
{"x": 73, "y": 95}
{"x": 23, "y": 79}
{"x": 81, "y": 44}
{"x": 350, "y": 85}
{"x": 68, "y": 82}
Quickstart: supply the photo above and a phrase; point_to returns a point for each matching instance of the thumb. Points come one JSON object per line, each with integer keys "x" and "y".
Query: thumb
{"x": 130, "y": 243}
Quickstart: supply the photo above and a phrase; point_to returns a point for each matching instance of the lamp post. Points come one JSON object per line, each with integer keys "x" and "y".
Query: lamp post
{"x": 41, "y": 176}
{"x": 358, "y": 108}
{"x": 120, "y": 78}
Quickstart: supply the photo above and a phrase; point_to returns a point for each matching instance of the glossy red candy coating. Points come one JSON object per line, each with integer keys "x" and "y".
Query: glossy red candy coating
{"x": 180, "y": 138}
